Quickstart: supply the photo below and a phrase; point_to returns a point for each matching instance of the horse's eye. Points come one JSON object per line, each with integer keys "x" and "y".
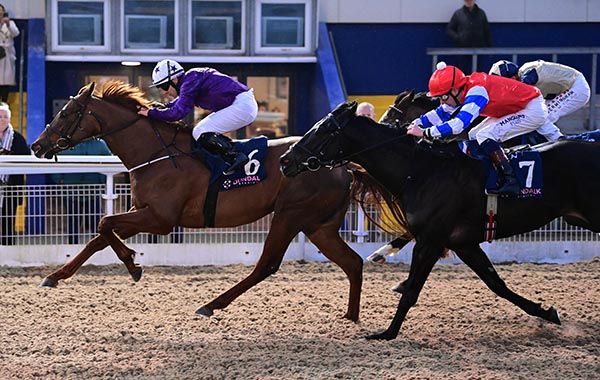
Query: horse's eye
{"x": 328, "y": 128}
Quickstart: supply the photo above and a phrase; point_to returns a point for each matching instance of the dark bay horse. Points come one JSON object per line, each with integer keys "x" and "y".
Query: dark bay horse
{"x": 171, "y": 192}
{"x": 443, "y": 196}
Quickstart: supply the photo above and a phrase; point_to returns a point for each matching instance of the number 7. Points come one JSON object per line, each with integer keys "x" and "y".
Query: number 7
{"x": 530, "y": 165}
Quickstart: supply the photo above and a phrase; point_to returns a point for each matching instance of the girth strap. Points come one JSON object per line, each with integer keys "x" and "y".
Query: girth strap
{"x": 491, "y": 212}
{"x": 210, "y": 202}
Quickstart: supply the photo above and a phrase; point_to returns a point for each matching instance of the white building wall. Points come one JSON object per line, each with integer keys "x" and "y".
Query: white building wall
{"x": 24, "y": 9}
{"x": 391, "y": 11}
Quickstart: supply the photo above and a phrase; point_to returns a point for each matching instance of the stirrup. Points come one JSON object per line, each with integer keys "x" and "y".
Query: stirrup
{"x": 240, "y": 161}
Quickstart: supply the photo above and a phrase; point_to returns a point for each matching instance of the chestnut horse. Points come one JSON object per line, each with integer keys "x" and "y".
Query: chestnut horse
{"x": 171, "y": 192}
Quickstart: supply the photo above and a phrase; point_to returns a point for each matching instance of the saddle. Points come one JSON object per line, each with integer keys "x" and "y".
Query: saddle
{"x": 250, "y": 174}
{"x": 525, "y": 161}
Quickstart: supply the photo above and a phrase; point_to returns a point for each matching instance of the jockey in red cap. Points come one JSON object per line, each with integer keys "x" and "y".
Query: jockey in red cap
{"x": 512, "y": 108}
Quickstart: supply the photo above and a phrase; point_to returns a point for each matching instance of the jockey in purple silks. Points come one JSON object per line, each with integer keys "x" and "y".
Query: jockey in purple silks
{"x": 232, "y": 104}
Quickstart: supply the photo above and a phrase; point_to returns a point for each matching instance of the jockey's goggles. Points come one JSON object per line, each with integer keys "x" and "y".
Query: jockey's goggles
{"x": 164, "y": 86}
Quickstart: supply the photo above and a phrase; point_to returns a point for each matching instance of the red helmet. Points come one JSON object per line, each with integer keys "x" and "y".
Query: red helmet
{"x": 444, "y": 79}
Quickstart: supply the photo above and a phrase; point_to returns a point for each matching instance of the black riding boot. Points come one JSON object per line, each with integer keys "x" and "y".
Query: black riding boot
{"x": 222, "y": 145}
{"x": 510, "y": 184}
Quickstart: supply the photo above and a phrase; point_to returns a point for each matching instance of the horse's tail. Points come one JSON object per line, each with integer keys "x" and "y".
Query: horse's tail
{"x": 366, "y": 191}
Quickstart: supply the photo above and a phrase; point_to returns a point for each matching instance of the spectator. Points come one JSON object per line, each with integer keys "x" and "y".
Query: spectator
{"x": 469, "y": 27}
{"x": 8, "y": 56}
{"x": 263, "y": 106}
{"x": 83, "y": 203}
{"x": 13, "y": 143}
{"x": 366, "y": 109}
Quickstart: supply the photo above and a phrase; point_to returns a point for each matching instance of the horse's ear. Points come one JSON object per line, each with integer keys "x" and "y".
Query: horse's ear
{"x": 353, "y": 105}
{"x": 405, "y": 101}
{"x": 87, "y": 90}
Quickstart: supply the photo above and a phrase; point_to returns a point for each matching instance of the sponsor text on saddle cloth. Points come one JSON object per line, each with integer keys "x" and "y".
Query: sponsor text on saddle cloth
{"x": 526, "y": 163}
{"x": 250, "y": 174}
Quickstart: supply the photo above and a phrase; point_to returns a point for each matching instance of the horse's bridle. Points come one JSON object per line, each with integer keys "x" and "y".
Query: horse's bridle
{"x": 65, "y": 141}
{"x": 316, "y": 161}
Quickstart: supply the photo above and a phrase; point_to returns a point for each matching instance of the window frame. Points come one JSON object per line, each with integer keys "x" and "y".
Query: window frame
{"x": 151, "y": 51}
{"x": 57, "y": 47}
{"x": 308, "y": 29}
{"x": 243, "y": 32}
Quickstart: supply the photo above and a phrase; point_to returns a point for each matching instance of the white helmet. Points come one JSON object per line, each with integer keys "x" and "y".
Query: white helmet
{"x": 164, "y": 71}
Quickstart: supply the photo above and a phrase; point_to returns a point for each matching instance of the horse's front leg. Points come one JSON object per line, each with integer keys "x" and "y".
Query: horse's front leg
{"x": 94, "y": 245}
{"x": 114, "y": 227}
{"x": 423, "y": 259}
{"x": 477, "y": 260}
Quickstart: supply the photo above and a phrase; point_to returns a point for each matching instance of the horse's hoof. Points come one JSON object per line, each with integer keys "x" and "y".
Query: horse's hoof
{"x": 376, "y": 258}
{"x": 137, "y": 273}
{"x": 204, "y": 311}
{"x": 353, "y": 318}
{"x": 48, "y": 283}
{"x": 553, "y": 316}
{"x": 381, "y": 336}
{"x": 398, "y": 288}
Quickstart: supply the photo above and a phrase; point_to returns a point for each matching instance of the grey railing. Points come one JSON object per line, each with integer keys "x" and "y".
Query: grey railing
{"x": 515, "y": 52}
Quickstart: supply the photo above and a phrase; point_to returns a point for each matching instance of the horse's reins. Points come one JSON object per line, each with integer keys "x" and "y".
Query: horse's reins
{"x": 341, "y": 161}
{"x": 65, "y": 141}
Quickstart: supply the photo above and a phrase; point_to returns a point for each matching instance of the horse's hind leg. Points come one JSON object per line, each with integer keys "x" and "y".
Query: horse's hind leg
{"x": 329, "y": 242}
{"x": 282, "y": 232}
{"x": 67, "y": 270}
{"x": 477, "y": 260}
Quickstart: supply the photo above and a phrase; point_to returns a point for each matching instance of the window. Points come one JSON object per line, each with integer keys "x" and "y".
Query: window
{"x": 284, "y": 26}
{"x": 282, "y": 31}
{"x": 143, "y": 31}
{"x": 80, "y": 25}
{"x": 149, "y": 25}
{"x": 272, "y": 96}
{"x": 217, "y": 25}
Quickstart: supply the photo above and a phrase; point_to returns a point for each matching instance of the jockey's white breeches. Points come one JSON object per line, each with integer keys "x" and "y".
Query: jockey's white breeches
{"x": 569, "y": 101}
{"x": 500, "y": 129}
{"x": 563, "y": 104}
{"x": 239, "y": 114}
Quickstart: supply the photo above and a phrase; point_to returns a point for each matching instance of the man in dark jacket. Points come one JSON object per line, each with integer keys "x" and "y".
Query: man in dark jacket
{"x": 11, "y": 190}
{"x": 469, "y": 27}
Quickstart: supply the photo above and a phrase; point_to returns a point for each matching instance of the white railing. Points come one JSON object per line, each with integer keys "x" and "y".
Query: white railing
{"x": 59, "y": 215}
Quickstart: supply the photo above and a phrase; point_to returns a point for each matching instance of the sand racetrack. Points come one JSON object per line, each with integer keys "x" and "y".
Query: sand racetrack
{"x": 99, "y": 324}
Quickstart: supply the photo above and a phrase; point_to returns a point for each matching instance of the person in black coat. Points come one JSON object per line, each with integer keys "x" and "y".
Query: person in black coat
{"x": 469, "y": 27}
{"x": 13, "y": 143}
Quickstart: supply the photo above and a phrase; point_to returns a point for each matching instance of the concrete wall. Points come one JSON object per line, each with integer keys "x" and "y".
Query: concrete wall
{"x": 423, "y": 11}
{"x": 561, "y": 252}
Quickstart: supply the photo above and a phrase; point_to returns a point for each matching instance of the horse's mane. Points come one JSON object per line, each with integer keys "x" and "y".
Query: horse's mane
{"x": 367, "y": 191}
{"x": 130, "y": 97}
